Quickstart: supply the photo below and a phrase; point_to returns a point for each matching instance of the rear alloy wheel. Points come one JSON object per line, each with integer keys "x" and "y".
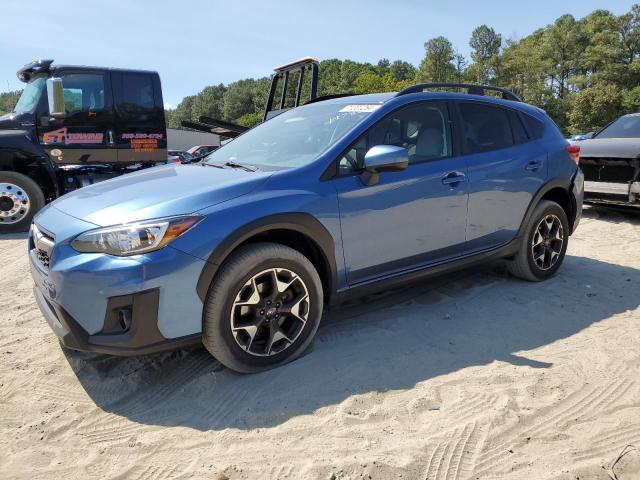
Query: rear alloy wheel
{"x": 544, "y": 243}
{"x": 263, "y": 308}
{"x": 20, "y": 199}
{"x": 547, "y": 242}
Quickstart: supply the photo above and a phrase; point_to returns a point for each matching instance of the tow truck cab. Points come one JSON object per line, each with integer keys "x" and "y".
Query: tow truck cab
{"x": 73, "y": 126}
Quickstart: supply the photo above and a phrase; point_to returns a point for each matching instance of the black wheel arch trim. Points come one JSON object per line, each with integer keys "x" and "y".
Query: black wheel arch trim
{"x": 302, "y": 223}
{"x": 546, "y": 188}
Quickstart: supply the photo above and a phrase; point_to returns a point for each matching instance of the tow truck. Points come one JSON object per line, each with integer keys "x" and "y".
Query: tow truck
{"x": 73, "y": 126}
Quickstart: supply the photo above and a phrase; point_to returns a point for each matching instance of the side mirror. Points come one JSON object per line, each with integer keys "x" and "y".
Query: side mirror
{"x": 383, "y": 158}
{"x": 55, "y": 95}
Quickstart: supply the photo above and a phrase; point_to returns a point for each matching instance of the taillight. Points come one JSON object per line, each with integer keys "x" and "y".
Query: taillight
{"x": 574, "y": 153}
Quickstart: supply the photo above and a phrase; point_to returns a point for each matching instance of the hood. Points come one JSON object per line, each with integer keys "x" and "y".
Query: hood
{"x": 610, "y": 147}
{"x": 16, "y": 120}
{"x": 157, "y": 192}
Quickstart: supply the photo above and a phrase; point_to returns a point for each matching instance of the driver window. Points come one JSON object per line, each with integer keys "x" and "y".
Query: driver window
{"x": 83, "y": 92}
{"x": 423, "y": 129}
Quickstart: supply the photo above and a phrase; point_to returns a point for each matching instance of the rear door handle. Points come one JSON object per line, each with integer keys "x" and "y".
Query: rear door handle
{"x": 453, "y": 178}
{"x": 533, "y": 166}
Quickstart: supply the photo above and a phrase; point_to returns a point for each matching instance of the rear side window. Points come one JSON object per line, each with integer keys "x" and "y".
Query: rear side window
{"x": 486, "y": 127}
{"x": 519, "y": 133}
{"x": 534, "y": 126}
{"x": 137, "y": 93}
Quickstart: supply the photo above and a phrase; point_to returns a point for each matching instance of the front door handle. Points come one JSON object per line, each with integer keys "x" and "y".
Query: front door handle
{"x": 110, "y": 139}
{"x": 453, "y": 178}
{"x": 533, "y": 166}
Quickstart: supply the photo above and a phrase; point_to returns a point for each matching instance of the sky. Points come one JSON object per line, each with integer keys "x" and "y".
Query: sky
{"x": 193, "y": 44}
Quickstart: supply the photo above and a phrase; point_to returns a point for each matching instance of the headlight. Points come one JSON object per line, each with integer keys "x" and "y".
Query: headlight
{"x": 134, "y": 238}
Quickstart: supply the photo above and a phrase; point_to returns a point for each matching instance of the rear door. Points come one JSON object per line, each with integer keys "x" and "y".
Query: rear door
{"x": 84, "y": 135}
{"x": 506, "y": 169}
{"x": 140, "y": 128}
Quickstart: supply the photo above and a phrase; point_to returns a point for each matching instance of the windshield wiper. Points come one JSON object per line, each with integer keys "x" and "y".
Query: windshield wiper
{"x": 205, "y": 164}
{"x": 239, "y": 165}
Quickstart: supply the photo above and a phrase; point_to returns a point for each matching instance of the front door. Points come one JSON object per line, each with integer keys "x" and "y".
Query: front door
{"x": 410, "y": 218}
{"x": 86, "y": 133}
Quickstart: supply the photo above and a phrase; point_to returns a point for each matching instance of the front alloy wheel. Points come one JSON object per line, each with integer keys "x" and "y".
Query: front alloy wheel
{"x": 263, "y": 307}
{"x": 270, "y": 311}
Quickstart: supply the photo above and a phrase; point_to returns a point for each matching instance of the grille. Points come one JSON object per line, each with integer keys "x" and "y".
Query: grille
{"x": 608, "y": 169}
{"x": 42, "y": 245}
{"x": 43, "y": 257}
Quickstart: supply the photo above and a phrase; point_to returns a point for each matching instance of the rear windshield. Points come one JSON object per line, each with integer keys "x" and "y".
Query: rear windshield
{"x": 624, "y": 127}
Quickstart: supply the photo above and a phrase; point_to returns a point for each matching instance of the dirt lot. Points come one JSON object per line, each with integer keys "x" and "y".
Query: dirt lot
{"x": 472, "y": 375}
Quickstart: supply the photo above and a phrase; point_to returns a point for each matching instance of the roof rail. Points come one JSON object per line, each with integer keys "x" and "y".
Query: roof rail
{"x": 330, "y": 97}
{"x": 471, "y": 88}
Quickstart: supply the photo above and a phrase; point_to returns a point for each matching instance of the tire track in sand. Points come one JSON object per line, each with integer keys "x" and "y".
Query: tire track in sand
{"x": 452, "y": 457}
{"x": 578, "y": 406}
{"x": 118, "y": 427}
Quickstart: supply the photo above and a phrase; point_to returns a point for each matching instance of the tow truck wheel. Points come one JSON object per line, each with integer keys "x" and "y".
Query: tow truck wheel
{"x": 20, "y": 200}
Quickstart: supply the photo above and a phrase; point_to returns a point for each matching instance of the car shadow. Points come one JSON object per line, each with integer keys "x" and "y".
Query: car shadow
{"x": 390, "y": 341}
{"x": 612, "y": 214}
{"x": 14, "y": 236}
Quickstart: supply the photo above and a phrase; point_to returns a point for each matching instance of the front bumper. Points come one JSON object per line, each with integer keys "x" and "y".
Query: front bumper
{"x": 613, "y": 193}
{"x": 138, "y": 338}
{"x": 116, "y": 305}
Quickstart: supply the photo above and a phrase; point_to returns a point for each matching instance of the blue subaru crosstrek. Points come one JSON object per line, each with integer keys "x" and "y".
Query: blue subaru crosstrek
{"x": 331, "y": 199}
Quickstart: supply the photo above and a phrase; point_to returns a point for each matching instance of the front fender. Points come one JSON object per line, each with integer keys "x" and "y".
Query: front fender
{"x": 18, "y": 153}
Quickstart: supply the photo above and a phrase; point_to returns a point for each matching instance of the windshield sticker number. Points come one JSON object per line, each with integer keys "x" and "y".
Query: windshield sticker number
{"x": 360, "y": 108}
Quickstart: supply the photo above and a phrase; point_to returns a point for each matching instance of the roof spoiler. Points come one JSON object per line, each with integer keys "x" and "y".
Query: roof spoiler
{"x": 471, "y": 89}
{"x": 30, "y": 69}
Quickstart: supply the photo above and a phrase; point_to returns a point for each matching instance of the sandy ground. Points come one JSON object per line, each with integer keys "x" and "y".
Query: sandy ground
{"x": 471, "y": 375}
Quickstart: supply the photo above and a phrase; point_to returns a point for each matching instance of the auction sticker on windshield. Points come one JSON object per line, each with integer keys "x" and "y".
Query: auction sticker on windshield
{"x": 361, "y": 108}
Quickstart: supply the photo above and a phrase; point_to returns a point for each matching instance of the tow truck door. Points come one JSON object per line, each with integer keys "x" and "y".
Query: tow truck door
{"x": 85, "y": 134}
{"x": 141, "y": 134}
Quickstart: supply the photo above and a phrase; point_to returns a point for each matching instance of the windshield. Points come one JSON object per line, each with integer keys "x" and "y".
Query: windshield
{"x": 30, "y": 95}
{"x": 294, "y": 138}
{"x": 625, "y": 127}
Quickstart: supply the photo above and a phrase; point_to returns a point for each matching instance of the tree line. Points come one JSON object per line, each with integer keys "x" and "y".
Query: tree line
{"x": 582, "y": 72}
{"x": 8, "y": 100}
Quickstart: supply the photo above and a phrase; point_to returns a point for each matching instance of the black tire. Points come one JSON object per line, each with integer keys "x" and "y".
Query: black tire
{"x": 35, "y": 201}
{"x": 234, "y": 273}
{"x": 524, "y": 265}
